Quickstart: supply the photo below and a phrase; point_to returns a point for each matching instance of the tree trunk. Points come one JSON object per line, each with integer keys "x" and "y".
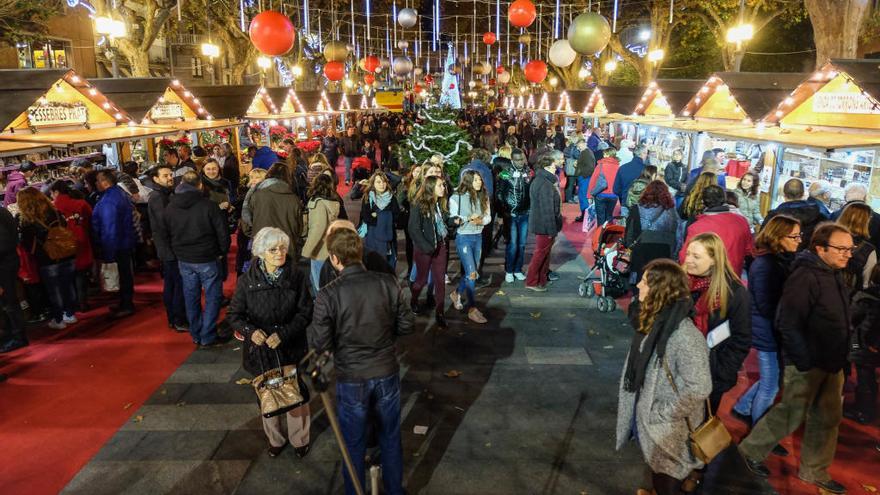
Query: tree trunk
{"x": 138, "y": 59}
{"x": 836, "y": 26}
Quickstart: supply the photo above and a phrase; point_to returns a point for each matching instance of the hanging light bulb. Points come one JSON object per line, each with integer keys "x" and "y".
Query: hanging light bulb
{"x": 655, "y": 55}
{"x": 584, "y": 73}
{"x": 297, "y": 71}
{"x": 611, "y": 66}
{"x": 264, "y": 63}
{"x": 210, "y": 50}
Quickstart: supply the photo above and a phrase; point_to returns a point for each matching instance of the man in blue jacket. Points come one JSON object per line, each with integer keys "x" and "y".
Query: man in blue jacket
{"x": 628, "y": 173}
{"x": 114, "y": 237}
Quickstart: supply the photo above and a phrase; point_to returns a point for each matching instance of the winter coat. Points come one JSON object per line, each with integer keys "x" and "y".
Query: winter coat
{"x": 749, "y": 206}
{"x": 159, "y": 199}
{"x": 676, "y": 176}
{"x": 195, "y": 227}
{"x": 113, "y": 224}
{"x": 423, "y": 230}
{"x": 331, "y": 149}
{"x": 78, "y": 215}
{"x": 651, "y": 234}
{"x": 350, "y": 145}
{"x": 460, "y": 208}
{"x": 33, "y": 236}
{"x": 873, "y": 224}
{"x": 692, "y": 177}
{"x": 815, "y": 322}
{"x": 767, "y": 276}
{"x": 726, "y": 358}
{"x": 489, "y": 142}
{"x": 283, "y": 307}
{"x": 732, "y": 228}
{"x": 361, "y": 331}
{"x": 8, "y": 242}
{"x": 807, "y": 213}
{"x": 626, "y": 175}
{"x": 586, "y": 164}
{"x": 609, "y": 168}
{"x": 858, "y": 270}
{"x": 866, "y": 327}
{"x": 15, "y": 181}
{"x": 513, "y": 191}
{"x": 634, "y": 194}
{"x": 381, "y": 225}
{"x": 321, "y": 213}
{"x": 545, "y": 217}
{"x": 274, "y": 204}
{"x": 660, "y": 412}
{"x": 230, "y": 170}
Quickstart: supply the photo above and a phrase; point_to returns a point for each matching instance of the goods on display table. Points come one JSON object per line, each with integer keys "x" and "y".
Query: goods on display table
{"x": 839, "y": 169}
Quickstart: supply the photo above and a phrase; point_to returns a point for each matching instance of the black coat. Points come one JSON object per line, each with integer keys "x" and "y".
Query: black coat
{"x": 866, "y": 327}
{"x": 513, "y": 191}
{"x": 231, "y": 171}
{"x": 726, "y": 358}
{"x": 813, "y": 317}
{"x": 767, "y": 276}
{"x": 373, "y": 262}
{"x": 284, "y": 307}
{"x": 806, "y": 212}
{"x": 156, "y": 205}
{"x": 8, "y": 242}
{"x": 544, "y": 217}
{"x": 873, "y": 224}
{"x": 196, "y": 228}
{"x": 360, "y": 330}
{"x": 676, "y": 175}
{"x": 423, "y": 231}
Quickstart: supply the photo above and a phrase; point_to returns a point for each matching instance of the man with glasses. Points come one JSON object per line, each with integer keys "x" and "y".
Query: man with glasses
{"x": 813, "y": 320}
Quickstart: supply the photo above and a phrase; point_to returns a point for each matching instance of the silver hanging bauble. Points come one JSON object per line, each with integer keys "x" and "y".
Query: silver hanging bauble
{"x": 407, "y": 18}
{"x": 402, "y": 66}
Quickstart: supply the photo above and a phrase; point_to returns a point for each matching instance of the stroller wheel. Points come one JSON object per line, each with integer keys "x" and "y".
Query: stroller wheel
{"x": 611, "y": 304}
{"x": 582, "y": 289}
{"x": 591, "y": 290}
{"x": 601, "y": 304}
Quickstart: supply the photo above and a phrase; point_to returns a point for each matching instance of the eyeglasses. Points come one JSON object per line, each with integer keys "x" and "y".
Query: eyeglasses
{"x": 842, "y": 249}
{"x": 277, "y": 250}
{"x": 795, "y": 236}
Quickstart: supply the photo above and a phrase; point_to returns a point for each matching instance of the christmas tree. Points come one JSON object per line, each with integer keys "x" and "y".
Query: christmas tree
{"x": 438, "y": 134}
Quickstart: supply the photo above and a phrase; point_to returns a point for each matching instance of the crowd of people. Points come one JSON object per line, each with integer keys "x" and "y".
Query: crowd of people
{"x": 708, "y": 273}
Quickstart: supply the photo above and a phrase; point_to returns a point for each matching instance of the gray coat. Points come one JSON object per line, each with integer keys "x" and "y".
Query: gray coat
{"x": 545, "y": 217}
{"x": 660, "y": 412}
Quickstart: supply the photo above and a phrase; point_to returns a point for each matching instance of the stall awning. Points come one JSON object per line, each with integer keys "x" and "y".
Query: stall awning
{"x": 699, "y": 125}
{"x": 12, "y": 148}
{"x": 91, "y": 137}
{"x": 822, "y": 140}
{"x": 201, "y": 125}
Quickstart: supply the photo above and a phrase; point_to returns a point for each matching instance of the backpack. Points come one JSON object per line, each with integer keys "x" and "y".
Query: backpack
{"x": 635, "y": 192}
{"x": 60, "y": 242}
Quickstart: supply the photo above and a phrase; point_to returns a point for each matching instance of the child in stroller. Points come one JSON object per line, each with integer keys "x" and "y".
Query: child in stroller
{"x": 607, "y": 278}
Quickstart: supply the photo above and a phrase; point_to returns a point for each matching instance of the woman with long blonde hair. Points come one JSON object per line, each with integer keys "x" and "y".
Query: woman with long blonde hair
{"x": 693, "y": 202}
{"x": 405, "y": 193}
{"x": 666, "y": 378}
{"x": 429, "y": 228}
{"x": 857, "y": 218}
{"x": 722, "y": 310}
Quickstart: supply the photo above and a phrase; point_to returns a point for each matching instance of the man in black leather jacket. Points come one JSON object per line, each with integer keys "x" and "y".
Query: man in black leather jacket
{"x": 513, "y": 200}
{"x": 358, "y": 316}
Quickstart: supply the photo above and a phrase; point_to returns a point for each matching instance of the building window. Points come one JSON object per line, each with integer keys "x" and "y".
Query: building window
{"x": 43, "y": 54}
{"x": 197, "y": 69}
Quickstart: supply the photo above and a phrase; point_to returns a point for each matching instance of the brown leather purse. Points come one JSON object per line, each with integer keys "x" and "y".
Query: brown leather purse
{"x": 710, "y": 438}
{"x": 279, "y": 390}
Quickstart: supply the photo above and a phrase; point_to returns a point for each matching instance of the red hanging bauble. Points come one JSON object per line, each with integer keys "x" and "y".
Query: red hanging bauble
{"x": 272, "y": 33}
{"x": 369, "y": 79}
{"x": 535, "y": 71}
{"x": 521, "y": 13}
{"x": 492, "y": 82}
{"x": 418, "y": 88}
{"x": 489, "y": 38}
{"x": 371, "y": 63}
{"x": 429, "y": 79}
{"x": 452, "y": 86}
{"x": 334, "y": 71}
{"x": 500, "y": 69}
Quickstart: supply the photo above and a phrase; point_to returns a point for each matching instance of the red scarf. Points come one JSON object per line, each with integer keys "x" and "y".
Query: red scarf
{"x": 700, "y": 285}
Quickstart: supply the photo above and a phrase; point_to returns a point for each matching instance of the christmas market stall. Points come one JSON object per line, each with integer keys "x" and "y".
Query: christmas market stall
{"x": 827, "y": 128}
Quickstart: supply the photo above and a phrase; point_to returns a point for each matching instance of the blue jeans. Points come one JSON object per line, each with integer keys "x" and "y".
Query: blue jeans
{"x": 172, "y": 293}
{"x": 316, "y": 274}
{"x": 375, "y": 401}
{"x": 762, "y": 393}
{"x": 348, "y": 160}
{"x": 195, "y": 277}
{"x": 469, "y": 247}
{"x": 583, "y": 185}
{"x": 60, "y": 283}
{"x": 605, "y": 208}
{"x": 514, "y": 255}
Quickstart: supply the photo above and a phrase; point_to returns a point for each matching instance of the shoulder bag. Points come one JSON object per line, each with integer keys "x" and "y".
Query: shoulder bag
{"x": 60, "y": 242}
{"x": 280, "y": 389}
{"x": 601, "y": 183}
{"x": 710, "y": 438}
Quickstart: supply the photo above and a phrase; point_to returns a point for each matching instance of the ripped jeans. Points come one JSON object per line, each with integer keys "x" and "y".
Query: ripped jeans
{"x": 469, "y": 248}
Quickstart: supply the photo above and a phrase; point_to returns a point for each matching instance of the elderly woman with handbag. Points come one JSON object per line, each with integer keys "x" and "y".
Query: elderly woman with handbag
{"x": 271, "y": 309}
{"x": 666, "y": 379}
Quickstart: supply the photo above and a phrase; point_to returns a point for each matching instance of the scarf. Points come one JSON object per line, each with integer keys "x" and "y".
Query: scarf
{"x": 215, "y": 184}
{"x": 273, "y": 277}
{"x": 699, "y": 287}
{"x": 643, "y": 346}
{"x": 440, "y": 225}
{"x": 381, "y": 200}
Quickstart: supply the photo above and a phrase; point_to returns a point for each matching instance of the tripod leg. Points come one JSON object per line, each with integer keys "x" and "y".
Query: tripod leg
{"x": 374, "y": 479}
{"x": 346, "y": 458}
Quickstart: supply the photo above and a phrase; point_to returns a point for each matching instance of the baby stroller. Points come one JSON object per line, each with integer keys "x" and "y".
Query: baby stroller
{"x": 607, "y": 278}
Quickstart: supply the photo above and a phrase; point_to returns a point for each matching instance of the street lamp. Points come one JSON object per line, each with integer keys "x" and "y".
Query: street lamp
{"x": 264, "y": 63}
{"x": 655, "y": 56}
{"x": 111, "y": 29}
{"x": 611, "y": 66}
{"x": 740, "y": 33}
{"x": 211, "y": 51}
{"x": 584, "y": 73}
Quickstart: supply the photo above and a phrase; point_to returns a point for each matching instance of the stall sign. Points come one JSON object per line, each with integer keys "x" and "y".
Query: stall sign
{"x": 57, "y": 114}
{"x": 825, "y": 102}
{"x": 167, "y": 111}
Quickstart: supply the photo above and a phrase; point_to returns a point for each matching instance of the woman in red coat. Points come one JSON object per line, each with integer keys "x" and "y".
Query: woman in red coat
{"x": 72, "y": 204}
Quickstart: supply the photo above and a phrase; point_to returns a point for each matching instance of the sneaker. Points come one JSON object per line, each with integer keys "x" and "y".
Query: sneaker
{"x": 476, "y": 316}
{"x": 456, "y": 300}
{"x": 447, "y": 279}
{"x": 552, "y": 276}
{"x": 536, "y": 288}
{"x": 57, "y": 325}
{"x": 69, "y": 319}
{"x": 508, "y": 277}
{"x": 520, "y": 276}
{"x": 238, "y": 336}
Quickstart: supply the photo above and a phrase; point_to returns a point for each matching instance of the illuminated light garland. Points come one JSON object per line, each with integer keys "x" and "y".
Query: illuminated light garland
{"x": 564, "y": 103}
{"x": 343, "y": 105}
{"x": 544, "y": 104}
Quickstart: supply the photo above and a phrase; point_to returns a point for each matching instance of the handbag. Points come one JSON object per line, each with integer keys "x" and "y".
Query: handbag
{"x": 109, "y": 277}
{"x": 710, "y": 438}
{"x": 280, "y": 389}
{"x": 60, "y": 241}
{"x": 601, "y": 183}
